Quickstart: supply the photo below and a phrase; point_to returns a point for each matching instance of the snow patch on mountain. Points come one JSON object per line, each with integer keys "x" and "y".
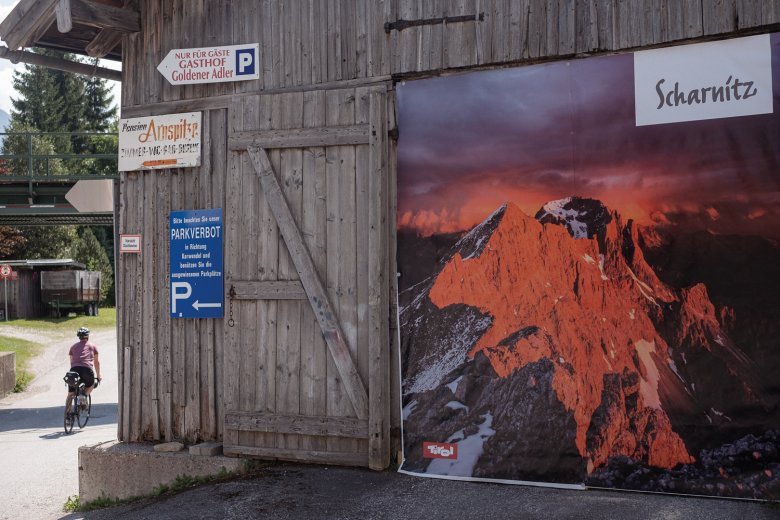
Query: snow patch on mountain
{"x": 470, "y": 449}
{"x": 438, "y": 364}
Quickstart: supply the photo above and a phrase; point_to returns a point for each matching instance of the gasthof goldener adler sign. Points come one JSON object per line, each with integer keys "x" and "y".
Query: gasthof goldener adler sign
{"x": 703, "y": 81}
{"x": 155, "y": 142}
{"x": 211, "y": 64}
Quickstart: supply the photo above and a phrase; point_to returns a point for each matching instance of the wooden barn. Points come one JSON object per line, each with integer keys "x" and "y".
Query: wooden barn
{"x": 304, "y": 365}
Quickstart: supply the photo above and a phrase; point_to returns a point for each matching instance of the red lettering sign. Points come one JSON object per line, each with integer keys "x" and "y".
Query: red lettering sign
{"x": 440, "y": 450}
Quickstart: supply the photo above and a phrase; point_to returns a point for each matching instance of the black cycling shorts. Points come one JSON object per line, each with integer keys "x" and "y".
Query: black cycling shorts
{"x": 86, "y": 375}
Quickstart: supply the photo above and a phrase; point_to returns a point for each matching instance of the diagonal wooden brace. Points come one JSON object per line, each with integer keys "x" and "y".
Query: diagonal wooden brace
{"x": 315, "y": 290}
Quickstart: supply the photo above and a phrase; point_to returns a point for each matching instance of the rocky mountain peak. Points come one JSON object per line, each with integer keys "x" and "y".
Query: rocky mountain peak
{"x": 582, "y": 217}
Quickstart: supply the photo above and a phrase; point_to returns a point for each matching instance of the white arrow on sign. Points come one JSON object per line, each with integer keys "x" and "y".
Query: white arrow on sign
{"x": 91, "y": 196}
{"x": 199, "y": 305}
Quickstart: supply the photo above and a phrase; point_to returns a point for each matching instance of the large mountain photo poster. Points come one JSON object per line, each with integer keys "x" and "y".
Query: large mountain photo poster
{"x": 589, "y": 290}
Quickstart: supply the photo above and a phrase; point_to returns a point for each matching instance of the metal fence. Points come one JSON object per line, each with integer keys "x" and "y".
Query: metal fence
{"x": 57, "y": 156}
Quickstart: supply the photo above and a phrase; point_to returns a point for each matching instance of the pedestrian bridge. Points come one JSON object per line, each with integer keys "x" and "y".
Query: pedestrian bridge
{"x": 38, "y": 169}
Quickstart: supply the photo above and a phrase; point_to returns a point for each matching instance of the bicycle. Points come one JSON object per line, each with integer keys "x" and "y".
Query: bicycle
{"x": 78, "y": 414}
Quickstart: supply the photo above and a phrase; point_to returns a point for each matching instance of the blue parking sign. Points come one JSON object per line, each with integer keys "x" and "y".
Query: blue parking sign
{"x": 245, "y": 61}
{"x": 197, "y": 278}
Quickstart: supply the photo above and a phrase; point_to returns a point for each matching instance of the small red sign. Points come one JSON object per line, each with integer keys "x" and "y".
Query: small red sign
{"x": 440, "y": 450}
{"x": 5, "y": 271}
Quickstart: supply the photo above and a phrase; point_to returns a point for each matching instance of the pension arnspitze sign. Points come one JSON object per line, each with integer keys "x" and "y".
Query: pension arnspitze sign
{"x": 155, "y": 142}
{"x": 211, "y": 64}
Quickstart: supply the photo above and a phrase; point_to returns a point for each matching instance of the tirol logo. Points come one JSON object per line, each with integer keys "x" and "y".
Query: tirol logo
{"x": 440, "y": 450}
{"x": 704, "y": 81}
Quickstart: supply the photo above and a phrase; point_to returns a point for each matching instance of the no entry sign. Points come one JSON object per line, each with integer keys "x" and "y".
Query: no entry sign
{"x": 211, "y": 64}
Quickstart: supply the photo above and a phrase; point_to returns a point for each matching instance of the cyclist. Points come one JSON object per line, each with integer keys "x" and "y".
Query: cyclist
{"x": 84, "y": 359}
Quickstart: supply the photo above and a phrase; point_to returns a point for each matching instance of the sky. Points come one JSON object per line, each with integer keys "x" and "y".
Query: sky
{"x": 471, "y": 142}
{"x": 7, "y": 68}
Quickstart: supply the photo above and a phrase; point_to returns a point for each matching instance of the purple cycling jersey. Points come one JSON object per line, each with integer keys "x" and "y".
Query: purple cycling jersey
{"x": 82, "y": 354}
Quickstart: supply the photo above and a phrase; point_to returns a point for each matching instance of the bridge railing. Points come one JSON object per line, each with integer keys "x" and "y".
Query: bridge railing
{"x": 57, "y": 156}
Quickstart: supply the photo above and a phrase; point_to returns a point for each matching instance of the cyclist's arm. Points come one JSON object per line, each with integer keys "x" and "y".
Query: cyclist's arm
{"x": 97, "y": 366}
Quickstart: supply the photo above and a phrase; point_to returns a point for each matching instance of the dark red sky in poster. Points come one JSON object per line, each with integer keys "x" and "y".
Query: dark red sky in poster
{"x": 470, "y": 142}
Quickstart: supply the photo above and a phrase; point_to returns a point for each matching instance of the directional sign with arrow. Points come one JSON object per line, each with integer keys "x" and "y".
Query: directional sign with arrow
{"x": 211, "y": 64}
{"x": 197, "y": 278}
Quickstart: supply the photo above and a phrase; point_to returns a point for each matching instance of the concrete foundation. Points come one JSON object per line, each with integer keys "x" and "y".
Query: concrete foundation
{"x": 123, "y": 470}
{"x": 7, "y": 373}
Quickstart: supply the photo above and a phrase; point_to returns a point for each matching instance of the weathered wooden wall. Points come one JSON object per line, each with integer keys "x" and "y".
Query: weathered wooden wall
{"x": 24, "y": 295}
{"x": 316, "y": 42}
{"x": 319, "y": 61}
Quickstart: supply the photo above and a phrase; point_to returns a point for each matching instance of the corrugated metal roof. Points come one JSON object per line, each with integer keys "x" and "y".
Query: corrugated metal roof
{"x": 45, "y": 262}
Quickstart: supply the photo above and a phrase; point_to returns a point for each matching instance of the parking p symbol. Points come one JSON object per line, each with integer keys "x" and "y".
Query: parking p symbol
{"x": 245, "y": 62}
{"x": 176, "y": 294}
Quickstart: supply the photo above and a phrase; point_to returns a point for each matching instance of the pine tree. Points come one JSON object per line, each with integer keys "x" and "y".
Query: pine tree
{"x": 89, "y": 251}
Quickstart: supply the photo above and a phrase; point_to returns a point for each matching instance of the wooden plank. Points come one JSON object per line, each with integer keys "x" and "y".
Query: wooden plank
{"x": 231, "y": 363}
{"x": 218, "y": 196}
{"x": 297, "y": 424}
{"x": 102, "y": 16}
{"x": 266, "y": 290}
{"x": 314, "y": 351}
{"x": 309, "y": 456}
{"x": 300, "y": 137}
{"x": 156, "y": 107}
{"x": 25, "y": 20}
{"x": 64, "y": 20}
{"x": 162, "y": 308}
{"x": 394, "y": 383}
{"x": 149, "y": 412}
{"x": 311, "y": 282}
{"x": 289, "y": 312}
{"x": 136, "y": 340}
{"x": 105, "y": 42}
{"x": 268, "y": 311}
{"x": 378, "y": 299}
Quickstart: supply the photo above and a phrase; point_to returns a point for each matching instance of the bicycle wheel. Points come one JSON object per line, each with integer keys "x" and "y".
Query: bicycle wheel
{"x": 83, "y": 414}
{"x": 69, "y": 418}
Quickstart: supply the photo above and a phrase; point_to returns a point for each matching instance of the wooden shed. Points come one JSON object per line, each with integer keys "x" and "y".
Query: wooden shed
{"x": 304, "y": 364}
{"x": 24, "y": 288}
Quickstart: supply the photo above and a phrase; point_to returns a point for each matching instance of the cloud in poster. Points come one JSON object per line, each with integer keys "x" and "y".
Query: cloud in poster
{"x": 470, "y": 142}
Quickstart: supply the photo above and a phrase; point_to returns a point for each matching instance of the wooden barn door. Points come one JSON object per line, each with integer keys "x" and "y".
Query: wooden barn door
{"x": 306, "y": 373}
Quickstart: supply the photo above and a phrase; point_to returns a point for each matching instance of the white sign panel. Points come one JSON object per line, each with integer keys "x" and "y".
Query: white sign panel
{"x": 154, "y": 142}
{"x": 211, "y": 64}
{"x": 712, "y": 80}
{"x": 129, "y": 243}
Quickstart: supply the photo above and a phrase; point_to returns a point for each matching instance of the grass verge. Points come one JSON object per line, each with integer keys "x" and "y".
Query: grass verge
{"x": 69, "y": 324}
{"x": 25, "y": 350}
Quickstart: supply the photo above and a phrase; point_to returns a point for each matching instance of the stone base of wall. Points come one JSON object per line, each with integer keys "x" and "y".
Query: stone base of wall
{"x": 7, "y": 373}
{"x": 119, "y": 470}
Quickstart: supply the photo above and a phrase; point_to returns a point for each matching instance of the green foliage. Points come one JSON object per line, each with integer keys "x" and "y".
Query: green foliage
{"x": 71, "y": 504}
{"x": 11, "y": 239}
{"x": 25, "y": 351}
{"x": 47, "y": 242}
{"x": 88, "y": 250}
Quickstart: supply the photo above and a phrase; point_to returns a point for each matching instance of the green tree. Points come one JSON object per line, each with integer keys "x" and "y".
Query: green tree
{"x": 47, "y": 242}
{"x": 88, "y": 250}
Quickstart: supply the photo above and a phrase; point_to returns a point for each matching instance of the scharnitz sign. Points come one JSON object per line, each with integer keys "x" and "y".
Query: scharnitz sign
{"x": 712, "y": 80}
{"x": 155, "y": 142}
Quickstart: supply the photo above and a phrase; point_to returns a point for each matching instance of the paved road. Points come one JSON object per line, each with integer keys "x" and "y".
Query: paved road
{"x": 40, "y": 462}
{"x": 288, "y": 491}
